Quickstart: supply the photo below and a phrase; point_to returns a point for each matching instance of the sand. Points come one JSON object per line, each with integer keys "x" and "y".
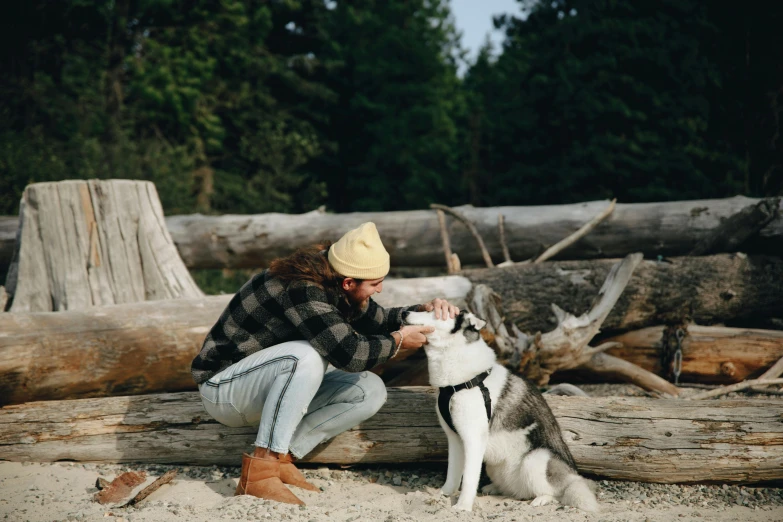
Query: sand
{"x": 64, "y": 491}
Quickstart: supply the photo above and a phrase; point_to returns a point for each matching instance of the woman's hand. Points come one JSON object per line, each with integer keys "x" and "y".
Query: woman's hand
{"x": 442, "y": 308}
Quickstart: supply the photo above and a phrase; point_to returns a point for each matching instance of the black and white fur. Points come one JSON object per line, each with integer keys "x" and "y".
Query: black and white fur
{"x": 522, "y": 445}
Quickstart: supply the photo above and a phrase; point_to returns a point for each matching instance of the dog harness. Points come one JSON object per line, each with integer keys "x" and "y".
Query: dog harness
{"x": 447, "y": 392}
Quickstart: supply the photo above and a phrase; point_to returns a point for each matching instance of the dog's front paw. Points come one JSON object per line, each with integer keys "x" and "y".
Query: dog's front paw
{"x": 446, "y": 492}
{"x": 462, "y": 506}
{"x": 542, "y": 500}
{"x": 491, "y": 489}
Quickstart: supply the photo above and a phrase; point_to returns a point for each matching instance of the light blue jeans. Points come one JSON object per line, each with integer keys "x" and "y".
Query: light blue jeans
{"x": 297, "y": 400}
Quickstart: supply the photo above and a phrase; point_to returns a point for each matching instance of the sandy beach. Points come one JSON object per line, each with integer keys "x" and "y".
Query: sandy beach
{"x": 63, "y": 492}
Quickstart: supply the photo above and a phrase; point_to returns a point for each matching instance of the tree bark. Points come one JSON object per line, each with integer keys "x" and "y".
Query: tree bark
{"x": 94, "y": 243}
{"x": 704, "y": 290}
{"x": 40, "y": 353}
{"x": 649, "y": 440}
{"x": 135, "y": 348}
{"x": 736, "y": 229}
{"x": 114, "y": 350}
{"x": 710, "y": 354}
{"x": 413, "y": 237}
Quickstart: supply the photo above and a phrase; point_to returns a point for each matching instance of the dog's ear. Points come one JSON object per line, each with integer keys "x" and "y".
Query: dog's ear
{"x": 475, "y": 322}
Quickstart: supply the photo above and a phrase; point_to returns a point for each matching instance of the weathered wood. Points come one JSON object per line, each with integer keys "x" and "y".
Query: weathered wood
{"x": 576, "y": 236}
{"x": 31, "y": 346}
{"x": 705, "y": 290}
{"x": 135, "y": 348}
{"x": 651, "y": 440}
{"x": 465, "y": 221}
{"x": 94, "y": 243}
{"x": 9, "y": 227}
{"x": 604, "y": 365}
{"x": 736, "y": 229}
{"x": 412, "y": 237}
{"x": 710, "y": 354}
{"x": 144, "y": 347}
{"x": 737, "y": 386}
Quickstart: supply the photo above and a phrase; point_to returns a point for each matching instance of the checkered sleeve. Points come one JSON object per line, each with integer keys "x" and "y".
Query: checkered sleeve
{"x": 375, "y": 319}
{"x": 319, "y": 322}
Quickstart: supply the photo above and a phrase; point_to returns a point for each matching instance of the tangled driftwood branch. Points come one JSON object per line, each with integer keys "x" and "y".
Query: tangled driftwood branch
{"x": 538, "y": 356}
{"x": 471, "y": 227}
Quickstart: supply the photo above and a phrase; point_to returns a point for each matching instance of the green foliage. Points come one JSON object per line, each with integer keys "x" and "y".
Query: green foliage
{"x": 185, "y": 94}
{"x": 393, "y": 124}
{"x": 599, "y": 99}
{"x": 250, "y": 106}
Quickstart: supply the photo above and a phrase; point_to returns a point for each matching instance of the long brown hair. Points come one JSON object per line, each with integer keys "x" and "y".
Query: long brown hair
{"x": 307, "y": 264}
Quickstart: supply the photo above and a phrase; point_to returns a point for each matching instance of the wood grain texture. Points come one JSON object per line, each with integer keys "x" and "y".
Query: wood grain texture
{"x": 144, "y": 347}
{"x": 710, "y": 354}
{"x": 705, "y": 290}
{"x": 94, "y": 243}
{"x": 412, "y": 237}
{"x": 649, "y": 440}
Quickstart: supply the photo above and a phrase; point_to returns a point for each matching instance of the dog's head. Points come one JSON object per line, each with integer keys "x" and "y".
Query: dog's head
{"x": 465, "y": 324}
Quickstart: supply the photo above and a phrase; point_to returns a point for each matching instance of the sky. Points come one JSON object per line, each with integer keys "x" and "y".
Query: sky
{"x": 474, "y": 20}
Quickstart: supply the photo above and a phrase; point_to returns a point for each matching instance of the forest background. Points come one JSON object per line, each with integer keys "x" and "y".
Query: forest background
{"x": 253, "y": 106}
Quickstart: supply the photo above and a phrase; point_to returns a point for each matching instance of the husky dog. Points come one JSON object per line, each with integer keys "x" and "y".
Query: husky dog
{"x": 491, "y": 415}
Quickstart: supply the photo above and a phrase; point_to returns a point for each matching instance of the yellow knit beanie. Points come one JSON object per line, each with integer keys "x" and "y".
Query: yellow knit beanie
{"x": 360, "y": 254}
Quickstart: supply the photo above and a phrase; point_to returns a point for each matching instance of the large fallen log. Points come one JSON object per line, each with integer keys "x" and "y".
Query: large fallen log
{"x": 413, "y": 237}
{"x": 705, "y": 290}
{"x": 144, "y": 347}
{"x": 651, "y": 440}
{"x": 41, "y": 354}
{"x": 710, "y": 354}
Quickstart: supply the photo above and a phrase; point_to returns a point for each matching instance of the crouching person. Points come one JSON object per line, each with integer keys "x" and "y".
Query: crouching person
{"x": 266, "y": 362}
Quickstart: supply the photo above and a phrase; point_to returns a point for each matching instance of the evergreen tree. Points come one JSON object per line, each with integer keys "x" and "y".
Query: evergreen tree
{"x": 392, "y": 66}
{"x": 602, "y": 99}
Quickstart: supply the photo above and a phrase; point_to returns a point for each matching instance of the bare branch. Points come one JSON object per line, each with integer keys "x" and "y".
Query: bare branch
{"x": 774, "y": 371}
{"x": 444, "y": 236}
{"x": 608, "y": 365}
{"x": 503, "y": 245}
{"x": 471, "y": 227}
{"x": 576, "y": 236}
{"x": 750, "y": 383}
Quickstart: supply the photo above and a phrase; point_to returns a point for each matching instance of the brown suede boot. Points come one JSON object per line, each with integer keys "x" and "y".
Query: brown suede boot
{"x": 261, "y": 478}
{"x": 292, "y": 476}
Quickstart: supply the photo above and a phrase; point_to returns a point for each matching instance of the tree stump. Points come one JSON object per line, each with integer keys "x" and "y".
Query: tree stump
{"x": 93, "y": 243}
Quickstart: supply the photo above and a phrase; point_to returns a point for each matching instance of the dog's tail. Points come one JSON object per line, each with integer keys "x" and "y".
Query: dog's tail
{"x": 580, "y": 494}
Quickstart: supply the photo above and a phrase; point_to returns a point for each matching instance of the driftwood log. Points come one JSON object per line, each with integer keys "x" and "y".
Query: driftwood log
{"x": 738, "y": 228}
{"x": 705, "y": 290}
{"x": 93, "y": 243}
{"x": 40, "y": 354}
{"x": 413, "y": 237}
{"x": 653, "y": 440}
{"x": 710, "y": 354}
{"x": 135, "y": 348}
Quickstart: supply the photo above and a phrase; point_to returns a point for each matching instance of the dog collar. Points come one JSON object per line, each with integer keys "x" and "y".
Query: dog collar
{"x": 445, "y": 394}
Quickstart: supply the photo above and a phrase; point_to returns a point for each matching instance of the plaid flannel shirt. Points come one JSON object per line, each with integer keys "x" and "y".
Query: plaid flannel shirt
{"x": 266, "y": 311}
